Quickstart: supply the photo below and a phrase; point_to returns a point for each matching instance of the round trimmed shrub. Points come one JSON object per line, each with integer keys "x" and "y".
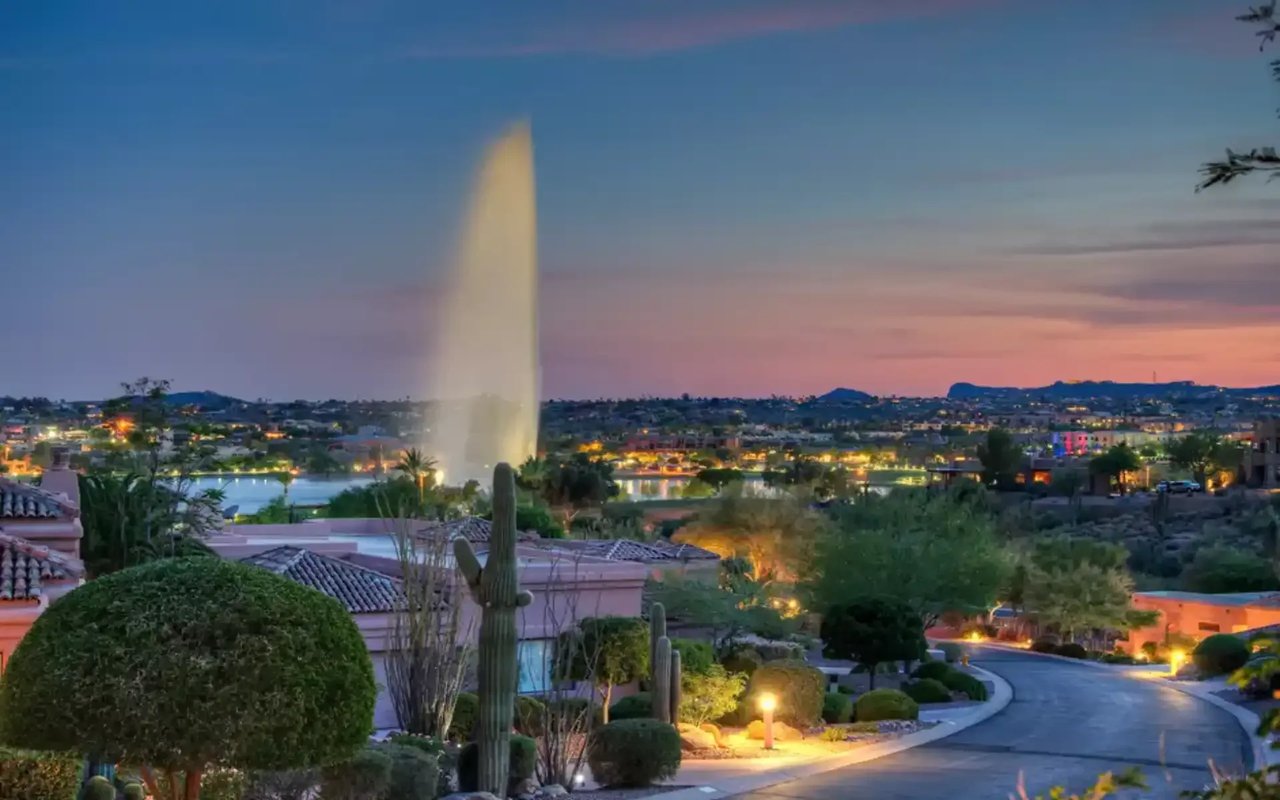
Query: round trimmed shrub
{"x": 1045, "y": 644}
{"x": 743, "y": 660}
{"x": 951, "y": 651}
{"x": 927, "y": 690}
{"x": 799, "y": 687}
{"x": 523, "y": 762}
{"x": 836, "y": 708}
{"x": 637, "y": 706}
{"x": 39, "y": 776}
{"x": 427, "y": 744}
{"x": 529, "y": 713}
{"x": 696, "y": 657}
{"x": 99, "y": 787}
{"x": 465, "y": 711}
{"x": 634, "y": 752}
{"x": 413, "y": 772}
{"x": 192, "y": 661}
{"x": 881, "y": 704}
{"x": 959, "y": 681}
{"x": 1071, "y": 650}
{"x": 935, "y": 670}
{"x": 1219, "y": 654}
{"x": 364, "y": 776}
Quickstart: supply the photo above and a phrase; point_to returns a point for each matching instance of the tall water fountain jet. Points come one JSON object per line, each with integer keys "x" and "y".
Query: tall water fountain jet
{"x": 486, "y": 362}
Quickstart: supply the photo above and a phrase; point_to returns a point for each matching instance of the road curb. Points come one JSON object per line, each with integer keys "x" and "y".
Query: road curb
{"x": 1263, "y": 755}
{"x": 1001, "y": 696}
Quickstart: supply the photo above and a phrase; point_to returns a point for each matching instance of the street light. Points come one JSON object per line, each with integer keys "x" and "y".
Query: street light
{"x": 767, "y": 704}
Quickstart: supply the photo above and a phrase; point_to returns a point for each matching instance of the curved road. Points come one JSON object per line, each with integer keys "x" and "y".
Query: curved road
{"x": 1067, "y": 723}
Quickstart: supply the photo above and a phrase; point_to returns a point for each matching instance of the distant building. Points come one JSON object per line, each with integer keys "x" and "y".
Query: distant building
{"x": 1198, "y": 615}
{"x": 1262, "y": 459}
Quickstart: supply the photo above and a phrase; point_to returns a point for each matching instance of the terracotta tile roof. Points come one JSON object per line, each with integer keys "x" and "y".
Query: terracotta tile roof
{"x": 628, "y": 550}
{"x": 21, "y": 501}
{"x": 359, "y": 589}
{"x": 24, "y": 568}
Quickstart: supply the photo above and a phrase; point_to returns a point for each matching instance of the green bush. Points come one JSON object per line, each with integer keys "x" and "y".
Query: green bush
{"x": 634, "y": 752}
{"x": 364, "y": 776}
{"x": 1045, "y": 644}
{"x": 529, "y": 712}
{"x": 1219, "y": 654}
{"x": 194, "y": 661}
{"x": 799, "y": 688}
{"x": 935, "y": 670}
{"x": 695, "y": 657}
{"x": 742, "y": 660}
{"x": 951, "y": 651}
{"x": 637, "y": 706}
{"x": 836, "y": 708}
{"x": 959, "y": 681}
{"x": 573, "y": 706}
{"x": 742, "y": 714}
{"x": 427, "y": 744}
{"x": 523, "y": 763}
{"x": 465, "y": 712}
{"x": 219, "y": 784}
{"x": 709, "y": 695}
{"x": 927, "y": 690}
{"x": 99, "y": 787}
{"x": 842, "y": 689}
{"x": 413, "y": 772}
{"x": 1071, "y": 650}
{"x": 885, "y": 704}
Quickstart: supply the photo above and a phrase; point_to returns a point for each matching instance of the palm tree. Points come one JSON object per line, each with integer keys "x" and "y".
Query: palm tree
{"x": 419, "y": 467}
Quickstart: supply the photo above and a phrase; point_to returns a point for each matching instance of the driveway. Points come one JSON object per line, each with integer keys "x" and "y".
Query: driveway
{"x": 1067, "y": 723}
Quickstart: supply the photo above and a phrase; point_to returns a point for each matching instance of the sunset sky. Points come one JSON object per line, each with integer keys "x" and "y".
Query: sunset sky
{"x": 736, "y": 197}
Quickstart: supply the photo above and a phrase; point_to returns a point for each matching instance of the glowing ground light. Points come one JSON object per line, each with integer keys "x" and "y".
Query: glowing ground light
{"x": 768, "y": 703}
{"x": 1176, "y": 659}
{"x": 974, "y": 636}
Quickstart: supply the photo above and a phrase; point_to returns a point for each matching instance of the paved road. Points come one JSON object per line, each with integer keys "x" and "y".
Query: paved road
{"x": 1067, "y": 723}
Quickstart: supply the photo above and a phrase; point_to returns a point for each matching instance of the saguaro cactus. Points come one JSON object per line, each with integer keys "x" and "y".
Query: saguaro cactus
{"x": 660, "y": 692}
{"x": 657, "y": 629}
{"x": 676, "y": 675}
{"x": 495, "y": 589}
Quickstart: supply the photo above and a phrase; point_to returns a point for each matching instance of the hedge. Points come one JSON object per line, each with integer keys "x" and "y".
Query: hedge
{"x": 636, "y": 706}
{"x": 951, "y": 651}
{"x": 1219, "y": 654}
{"x": 936, "y": 670}
{"x": 696, "y": 657}
{"x": 959, "y": 681}
{"x": 528, "y": 715}
{"x": 634, "y": 752}
{"x": 465, "y": 711}
{"x": 836, "y": 708}
{"x": 1071, "y": 650}
{"x": 799, "y": 688}
{"x": 927, "y": 690}
{"x": 365, "y": 775}
{"x": 39, "y": 776}
{"x": 524, "y": 762}
{"x": 881, "y": 704}
{"x": 742, "y": 660}
{"x": 413, "y": 772}
{"x": 1045, "y": 644}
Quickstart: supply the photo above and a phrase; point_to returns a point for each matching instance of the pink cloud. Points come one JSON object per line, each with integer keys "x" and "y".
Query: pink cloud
{"x": 662, "y": 28}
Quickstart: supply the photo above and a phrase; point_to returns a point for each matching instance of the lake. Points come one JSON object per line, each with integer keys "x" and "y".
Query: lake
{"x": 252, "y": 492}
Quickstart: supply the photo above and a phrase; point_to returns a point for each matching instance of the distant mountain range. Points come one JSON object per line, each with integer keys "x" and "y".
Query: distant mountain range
{"x": 843, "y": 395}
{"x": 1092, "y": 390}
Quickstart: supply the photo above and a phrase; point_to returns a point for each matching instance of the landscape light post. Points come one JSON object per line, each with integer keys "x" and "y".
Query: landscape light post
{"x": 767, "y": 704}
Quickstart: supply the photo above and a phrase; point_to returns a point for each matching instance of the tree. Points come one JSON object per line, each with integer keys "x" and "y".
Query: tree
{"x": 285, "y": 479}
{"x": 575, "y": 483}
{"x": 1258, "y": 160}
{"x": 609, "y": 651}
{"x": 1115, "y": 464}
{"x": 719, "y": 477}
{"x": 420, "y": 469}
{"x": 933, "y": 553}
{"x": 1226, "y": 569}
{"x": 1202, "y": 453}
{"x": 1078, "y": 584}
{"x": 725, "y": 612}
{"x": 772, "y": 533}
{"x": 321, "y": 462}
{"x": 696, "y": 489}
{"x": 872, "y": 631}
{"x": 1001, "y": 459}
{"x": 183, "y": 664}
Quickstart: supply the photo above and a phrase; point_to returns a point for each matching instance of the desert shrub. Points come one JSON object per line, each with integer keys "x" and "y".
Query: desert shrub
{"x": 1259, "y": 677}
{"x": 364, "y": 776}
{"x": 709, "y": 695}
{"x": 833, "y": 734}
{"x": 574, "y": 707}
{"x": 927, "y": 690}
{"x": 742, "y": 714}
{"x": 836, "y": 708}
{"x": 1117, "y": 658}
{"x": 1071, "y": 650}
{"x": 742, "y": 660}
{"x": 287, "y": 784}
{"x": 951, "y": 651}
{"x": 38, "y": 776}
{"x": 799, "y": 688}
{"x": 634, "y": 752}
{"x": 958, "y": 681}
{"x": 529, "y": 713}
{"x": 935, "y": 670}
{"x": 885, "y": 704}
{"x": 1219, "y": 654}
{"x": 1045, "y": 644}
{"x": 98, "y": 788}
{"x": 637, "y": 706}
{"x": 842, "y": 689}
{"x": 523, "y": 763}
{"x": 413, "y": 772}
{"x": 217, "y": 784}
{"x": 695, "y": 657}
{"x": 864, "y": 727}
{"x": 465, "y": 712}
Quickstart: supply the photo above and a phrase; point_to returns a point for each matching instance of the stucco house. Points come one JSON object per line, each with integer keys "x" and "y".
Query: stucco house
{"x": 1199, "y": 615}
{"x": 39, "y": 549}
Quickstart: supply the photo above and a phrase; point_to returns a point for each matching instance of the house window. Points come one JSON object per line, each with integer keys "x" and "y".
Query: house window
{"x": 534, "y": 659}
{"x": 1211, "y": 627}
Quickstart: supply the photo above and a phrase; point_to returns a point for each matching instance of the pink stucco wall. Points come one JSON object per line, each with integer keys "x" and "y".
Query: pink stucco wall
{"x": 1197, "y": 618}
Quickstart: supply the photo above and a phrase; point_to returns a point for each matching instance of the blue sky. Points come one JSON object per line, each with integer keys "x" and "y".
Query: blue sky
{"x": 735, "y": 196}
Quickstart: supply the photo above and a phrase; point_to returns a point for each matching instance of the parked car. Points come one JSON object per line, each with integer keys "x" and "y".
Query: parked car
{"x": 1179, "y": 487}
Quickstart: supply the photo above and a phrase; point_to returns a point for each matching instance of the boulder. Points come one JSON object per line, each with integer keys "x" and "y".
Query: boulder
{"x": 714, "y": 730}
{"x": 692, "y": 738}
{"x": 526, "y": 788}
{"x": 782, "y": 732}
{"x": 552, "y": 790}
